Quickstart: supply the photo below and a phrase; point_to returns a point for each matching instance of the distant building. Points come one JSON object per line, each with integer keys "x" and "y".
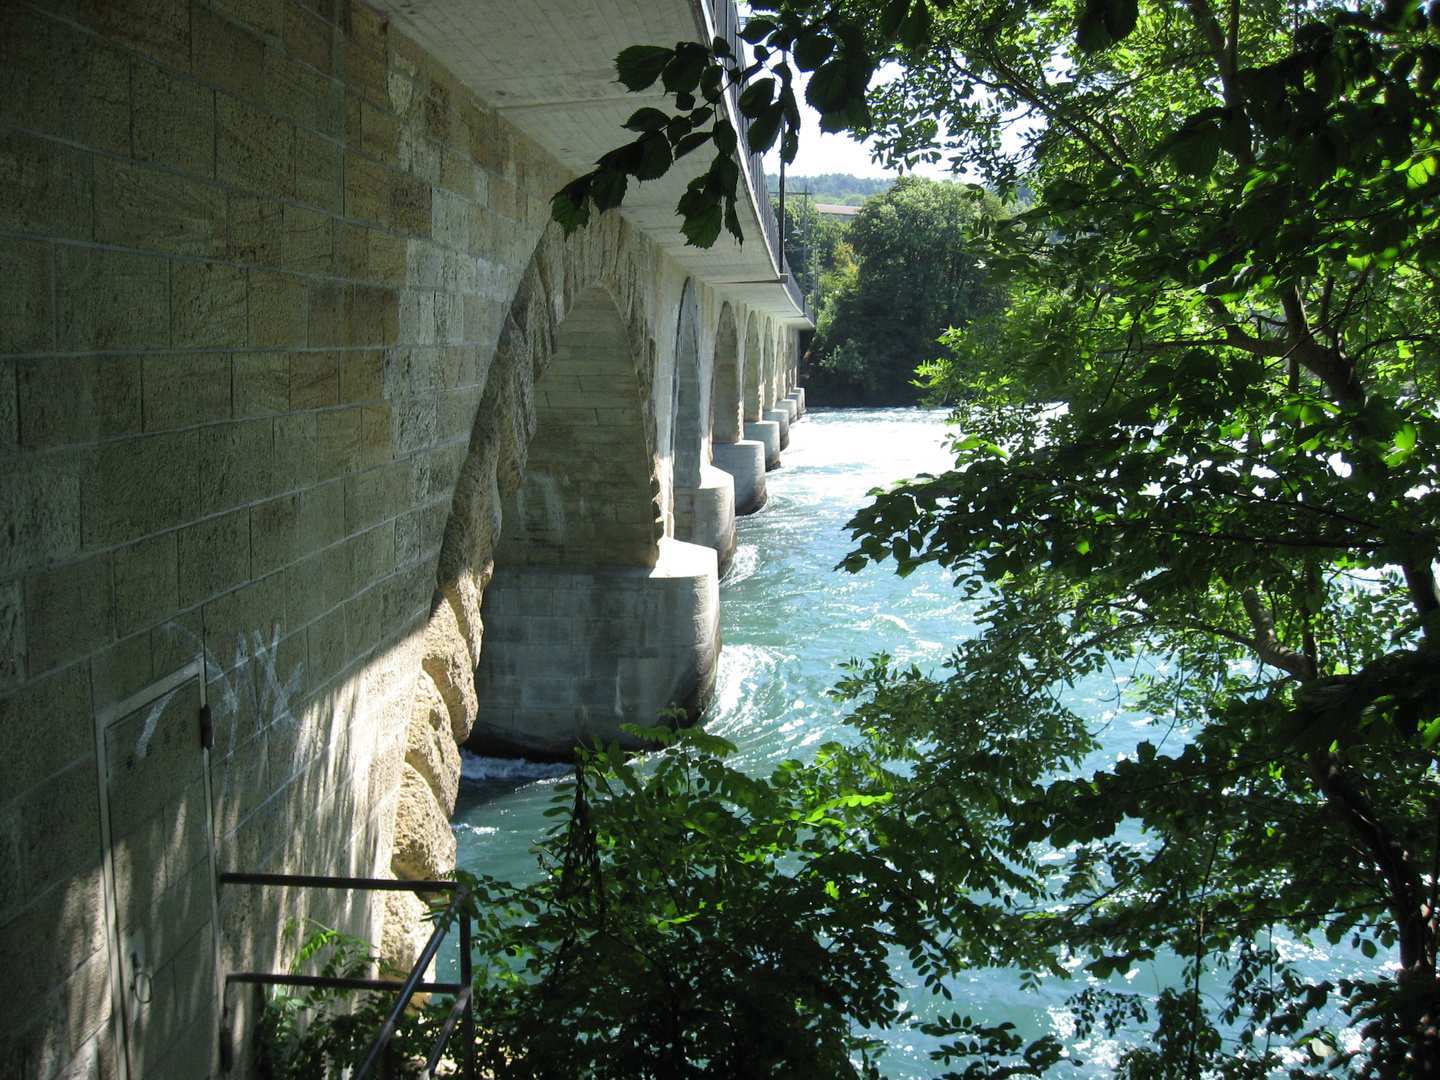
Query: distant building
{"x": 836, "y": 210}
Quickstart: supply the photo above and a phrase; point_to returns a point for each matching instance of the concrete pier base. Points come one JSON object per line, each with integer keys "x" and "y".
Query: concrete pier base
{"x": 573, "y": 652}
{"x": 791, "y": 410}
{"x": 798, "y": 396}
{"x": 782, "y": 418}
{"x": 745, "y": 462}
{"x": 766, "y": 432}
{"x": 706, "y": 515}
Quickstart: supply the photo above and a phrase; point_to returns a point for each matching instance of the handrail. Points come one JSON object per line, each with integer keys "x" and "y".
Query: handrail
{"x": 464, "y": 1006}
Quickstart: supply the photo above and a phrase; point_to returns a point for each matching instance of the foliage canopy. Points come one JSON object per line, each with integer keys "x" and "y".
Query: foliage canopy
{"x": 915, "y": 275}
{"x": 1203, "y": 429}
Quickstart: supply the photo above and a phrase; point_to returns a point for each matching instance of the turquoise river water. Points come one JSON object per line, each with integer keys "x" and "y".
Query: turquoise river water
{"x": 789, "y": 621}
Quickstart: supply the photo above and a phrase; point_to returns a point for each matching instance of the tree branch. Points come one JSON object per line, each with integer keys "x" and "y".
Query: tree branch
{"x": 1268, "y": 644}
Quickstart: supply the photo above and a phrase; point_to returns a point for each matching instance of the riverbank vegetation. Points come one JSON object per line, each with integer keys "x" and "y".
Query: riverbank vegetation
{"x": 904, "y": 273}
{"x": 1228, "y": 278}
{"x": 1202, "y": 431}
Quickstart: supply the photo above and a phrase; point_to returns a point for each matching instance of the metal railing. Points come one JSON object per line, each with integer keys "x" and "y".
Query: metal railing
{"x": 462, "y": 1012}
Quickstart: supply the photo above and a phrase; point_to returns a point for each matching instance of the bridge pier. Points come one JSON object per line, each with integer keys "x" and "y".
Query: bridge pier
{"x": 573, "y": 652}
{"x": 781, "y": 418}
{"x": 705, "y": 515}
{"x": 767, "y": 433}
{"x": 745, "y": 462}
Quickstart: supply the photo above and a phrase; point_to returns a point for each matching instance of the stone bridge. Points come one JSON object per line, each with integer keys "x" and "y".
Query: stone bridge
{"x": 301, "y": 396}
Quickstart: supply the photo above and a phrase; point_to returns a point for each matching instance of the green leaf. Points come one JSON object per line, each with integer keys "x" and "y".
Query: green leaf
{"x": 657, "y": 157}
{"x": 757, "y": 30}
{"x": 763, "y": 129}
{"x": 812, "y": 48}
{"x": 647, "y": 119}
{"x": 756, "y": 97}
{"x": 640, "y": 65}
{"x": 831, "y": 87}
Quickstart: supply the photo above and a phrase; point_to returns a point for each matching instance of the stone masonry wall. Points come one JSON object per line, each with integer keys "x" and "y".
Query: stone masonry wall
{"x": 276, "y": 290}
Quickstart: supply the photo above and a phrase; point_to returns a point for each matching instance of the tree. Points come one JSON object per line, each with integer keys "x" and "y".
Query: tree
{"x": 1228, "y": 279}
{"x": 915, "y": 277}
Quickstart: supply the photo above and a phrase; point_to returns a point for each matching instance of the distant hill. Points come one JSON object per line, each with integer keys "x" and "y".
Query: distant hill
{"x": 839, "y": 188}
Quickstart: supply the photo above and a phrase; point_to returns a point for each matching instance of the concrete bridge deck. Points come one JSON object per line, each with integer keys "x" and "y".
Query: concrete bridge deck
{"x": 307, "y": 412}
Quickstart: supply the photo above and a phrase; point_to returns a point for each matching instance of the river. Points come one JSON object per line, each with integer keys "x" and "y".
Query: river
{"x": 789, "y": 621}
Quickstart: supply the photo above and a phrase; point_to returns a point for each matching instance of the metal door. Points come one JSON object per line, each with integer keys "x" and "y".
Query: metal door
{"x": 160, "y": 878}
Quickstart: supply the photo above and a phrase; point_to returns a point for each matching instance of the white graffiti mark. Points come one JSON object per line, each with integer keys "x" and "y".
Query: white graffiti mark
{"x": 252, "y": 686}
{"x": 142, "y": 745}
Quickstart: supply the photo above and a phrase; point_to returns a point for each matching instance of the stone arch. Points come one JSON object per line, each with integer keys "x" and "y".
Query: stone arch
{"x": 688, "y": 426}
{"x": 767, "y": 386}
{"x": 491, "y": 471}
{"x": 754, "y": 360}
{"x": 725, "y": 407}
{"x": 589, "y": 492}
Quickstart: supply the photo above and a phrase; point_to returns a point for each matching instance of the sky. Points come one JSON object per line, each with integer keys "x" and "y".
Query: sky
{"x": 821, "y": 152}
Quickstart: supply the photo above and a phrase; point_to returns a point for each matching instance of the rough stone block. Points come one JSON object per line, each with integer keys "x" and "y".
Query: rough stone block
{"x": 277, "y": 309}
{"x": 379, "y": 133}
{"x": 298, "y": 91}
{"x": 146, "y": 583}
{"x": 260, "y": 384}
{"x": 111, "y": 300}
{"x": 43, "y": 512}
{"x": 69, "y": 611}
{"x": 387, "y": 258}
{"x": 141, "y": 207}
{"x": 362, "y": 376}
{"x": 254, "y": 149}
{"x": 424, "y": 844}
{"x": 66, "y": 400}
{"x": 319, "y": 172}
{"x": 337, "y": 442}
{"x": 431, "y": 748}
{"x": 45, "y": 188}
{"x": 214, "y": 556}
{"x": 159, "y": 29}
{"x": 265, "y": 17}
{"x": 318, "y": 584}
{"x": 12, "y": 879}
{"x": 309, "y": 241}
{"x": 235, "y": 464}
{"x": 64, "y": 82}
{"x": 314, "y": 379}
{"x": 325, "y": 648}
{"x": 272, "y": 534}
{"x": 375, "y": 495}
{"x": 320, "y": 516}
{"x": 12, "y": 637}
{"x": 325, "y": 314}
{"x": 366, "y": 74}
{"x": 173, "y": 120}
{"x": 295, "y": 451}
{"x": 447, "y": 662}
{"x": 367, "y": 189}
{"x": 26, "y": 296}
{"x": 405, "y": 929}
{"x": 410, "y": 204}
{"x": 122, "y": 669}
{"x": 252, "y": 228}
{"x": 372, "y": 315}
{"x": 373, "y": 554}
{"x": 133, "y": 487}
{"x": 181, "y": 389}
{"x": 309, "y": 37}
{"x": 207, "y": 306}
{"x": 227, "y": 55}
